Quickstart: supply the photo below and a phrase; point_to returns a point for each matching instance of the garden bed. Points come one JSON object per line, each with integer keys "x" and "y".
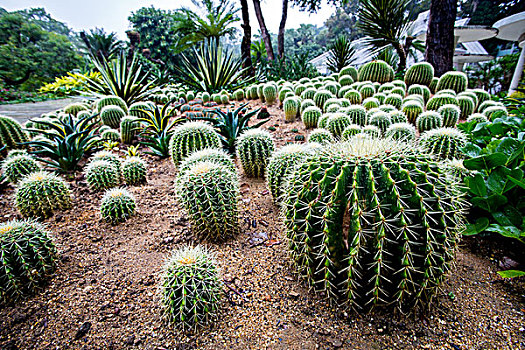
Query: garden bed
{"x": 108, "y": 277}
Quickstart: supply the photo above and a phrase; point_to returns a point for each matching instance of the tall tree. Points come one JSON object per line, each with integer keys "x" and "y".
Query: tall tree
{"x": 386, "y": 22}
{"x": 440, "y": 35}
{"x": 246, "y": 39}
{"x": 215, "y": 22}
{"x": 264, "y": 30}
{"x": 280, "y": 35}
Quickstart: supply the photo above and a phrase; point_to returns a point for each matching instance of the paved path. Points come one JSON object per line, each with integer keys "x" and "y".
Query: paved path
{"x": 25, "y": 111}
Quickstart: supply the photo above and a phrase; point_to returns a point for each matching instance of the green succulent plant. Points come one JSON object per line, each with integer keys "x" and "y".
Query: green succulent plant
{"x": 381, "y": 120}
{"x": 291, "y": 108}
{"x": 29, "y": 259}
{"x": 337, "y": 123}
{"x": 111, "y": 100}
{"x": 350, "y": 131}
{"x": 41, "y": 194}
{"x": 12, "y": 135}
{"x": 128, "y": 128}
{"x": 457, "y": 81}
{"x": 254, "y": 148}
{"x": 450, "y": 115}
{"x": 190, "y": 137}
{"x": 445, "y": 143}
{"x": 321, "y": 136}
{"x": 134, "y": 171}
{"x": 354, "y": 97}
{"x": 419, "y": 73}
{"x": 191, "y": 289}
{"x": 321, "y": 97}
{"x": 428, "y": 120}
{"x": 401, "y": 132}
{"x": 373, "y": 223}
{"x": 14, "y": 168}
{"x": 117, "y": 205}
{"x": 209, "y": 193}
{"x": 376, "y": 71}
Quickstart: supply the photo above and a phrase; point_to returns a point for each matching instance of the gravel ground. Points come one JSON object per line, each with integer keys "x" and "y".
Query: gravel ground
{"x": 104, "y": 293}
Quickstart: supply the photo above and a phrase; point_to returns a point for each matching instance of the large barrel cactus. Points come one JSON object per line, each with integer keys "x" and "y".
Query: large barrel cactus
{"x": 456, "y": 81}
{"x": 373, "y": 223}
{"x": 376, "y": 71}
{"x": 191, "y": 137}
{"x": 419, "y": 73}
{"x": 11, "y": 133}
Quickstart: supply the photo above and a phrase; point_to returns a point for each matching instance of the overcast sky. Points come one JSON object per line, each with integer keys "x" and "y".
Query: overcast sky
{"x": 112, "y": 15}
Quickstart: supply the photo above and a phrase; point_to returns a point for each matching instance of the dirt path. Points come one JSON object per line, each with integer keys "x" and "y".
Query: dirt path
{"x": 22, "y": 112}
{"x": 108, "y": 278}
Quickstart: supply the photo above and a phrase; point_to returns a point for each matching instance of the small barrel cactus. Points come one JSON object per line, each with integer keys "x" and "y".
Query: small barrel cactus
{"x": 305, "y": 104}
{"x": 225, "y": 99}
{"x": 437, "y": 101}
{"x": 191, "y": 289}
{"x": 454, "y": 80}
{"x": 433, "y": 85}
{"x": 209, "y": 193}
{"x": 111, "y": 116}
{"x": 367, "y": 90}
{"x": 395, "y": 100}
{"x": 349, "y": 131}
{"x": 428, "y": 120}
{"x": 213, "y": 155}
{"x": 371, "y": 102}
{"x": 308, "y": 94}
{"x": 321, "y": 97}
{"x": 254, "y": 148}
{"x": 421, "y": 90}
{"x": 376, "y": 71}
{"x": 493, "y": 112}
{"x": 321, "y": 136}
{"x": 40, "y": 194}
{"x": 419, "y": 73}
{"x": 482, "y": 96}
{"x": 270, "y": 93}
{"x": 398, "y": 117}
{"x": 16, "y": 167}
{"x": 139, "y": 109}
{"x": 74, "y": 108}
{"x": 11, "y": 133}
{"x": 381, "y": 120}
{"x": 102, "y": 174}
{"x": 134, "y": 171}
{"x": 111, "y": 101}
{"x": 477, "y": 118}
{"x": 372, "y": 131}
{"x": 111, "y": 157}
{"x": 310, "y": 116}
{"x": 345, "y": 80}
{"x": 291, "y": 107}
{"x": 401, "y": 132}
{"x": 323, "y": 120}
{"x": 239, "y": 94}
{"x": 412, "y": 110}
{"x": 349, "y": 70}
{"x": 110, "y": 134}
{"x": 281, "y": 165}
{"x": 117, "y": 205}
{"x": 337, "y": 123}
{"x": 357, "y": 115}
{"x": 449, "y": 114}
{"x": 354, "y": 97}
{"x": 466, "y": 106}
{"x": 128, "y": 128}
{"x": 445, "y": 143}
{"x": 190, "y": 137}
{"x": 29, "y": 259}
{"x": 488, "y": 103}
{"x": 373, "y": 223}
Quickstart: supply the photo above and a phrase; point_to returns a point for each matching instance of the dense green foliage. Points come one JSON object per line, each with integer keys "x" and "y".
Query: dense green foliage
{"x": 34, "y": 49}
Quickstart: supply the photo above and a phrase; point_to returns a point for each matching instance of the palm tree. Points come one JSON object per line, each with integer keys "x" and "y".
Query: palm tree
{"x": 214, "y": 23}
{"x": 386, "y": 23}
{"x": 342, "y": 53}
{"x": 258, "y": 50}
{"x": 101, "y": 45}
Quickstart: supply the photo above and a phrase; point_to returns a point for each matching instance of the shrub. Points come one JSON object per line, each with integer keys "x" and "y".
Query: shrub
{"x": 354, "y": 236}
{"x": 117, "y": 205}
{"x": 191, "y": 289}
{"x": 209, "y": 193}
{"x": 254, "y": 148}
{"x": 40, "y": 194}
{"x": 29, "y": 259}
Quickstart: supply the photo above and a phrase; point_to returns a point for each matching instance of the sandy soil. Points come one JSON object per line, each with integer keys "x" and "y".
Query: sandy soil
{"x": 108, "y": 277}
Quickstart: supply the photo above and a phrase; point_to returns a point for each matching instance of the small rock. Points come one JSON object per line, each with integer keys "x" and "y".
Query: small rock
{"x": 337, "y": 343}
{"x": 294, "y": 294}
{"x": 82, "y": 331}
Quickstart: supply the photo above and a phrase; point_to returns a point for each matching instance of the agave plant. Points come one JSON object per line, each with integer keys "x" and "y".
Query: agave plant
{"x": 157, "y": 129}
{"x": 128, "y": 82}
{"x": 342, "y": 54}
{"x": 67, "y": 141}
{"x": 214, "y": 69}
{"x": 230, "y": 124}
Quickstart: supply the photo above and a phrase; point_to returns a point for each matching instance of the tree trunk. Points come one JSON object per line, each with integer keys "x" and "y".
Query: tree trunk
{"x": 440, "y": 35}
{"x": 246, "y": 39}
{"x": 264, "y": 31}
{"x": 402, "y": 56}
{"x": 280, "y": 36}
